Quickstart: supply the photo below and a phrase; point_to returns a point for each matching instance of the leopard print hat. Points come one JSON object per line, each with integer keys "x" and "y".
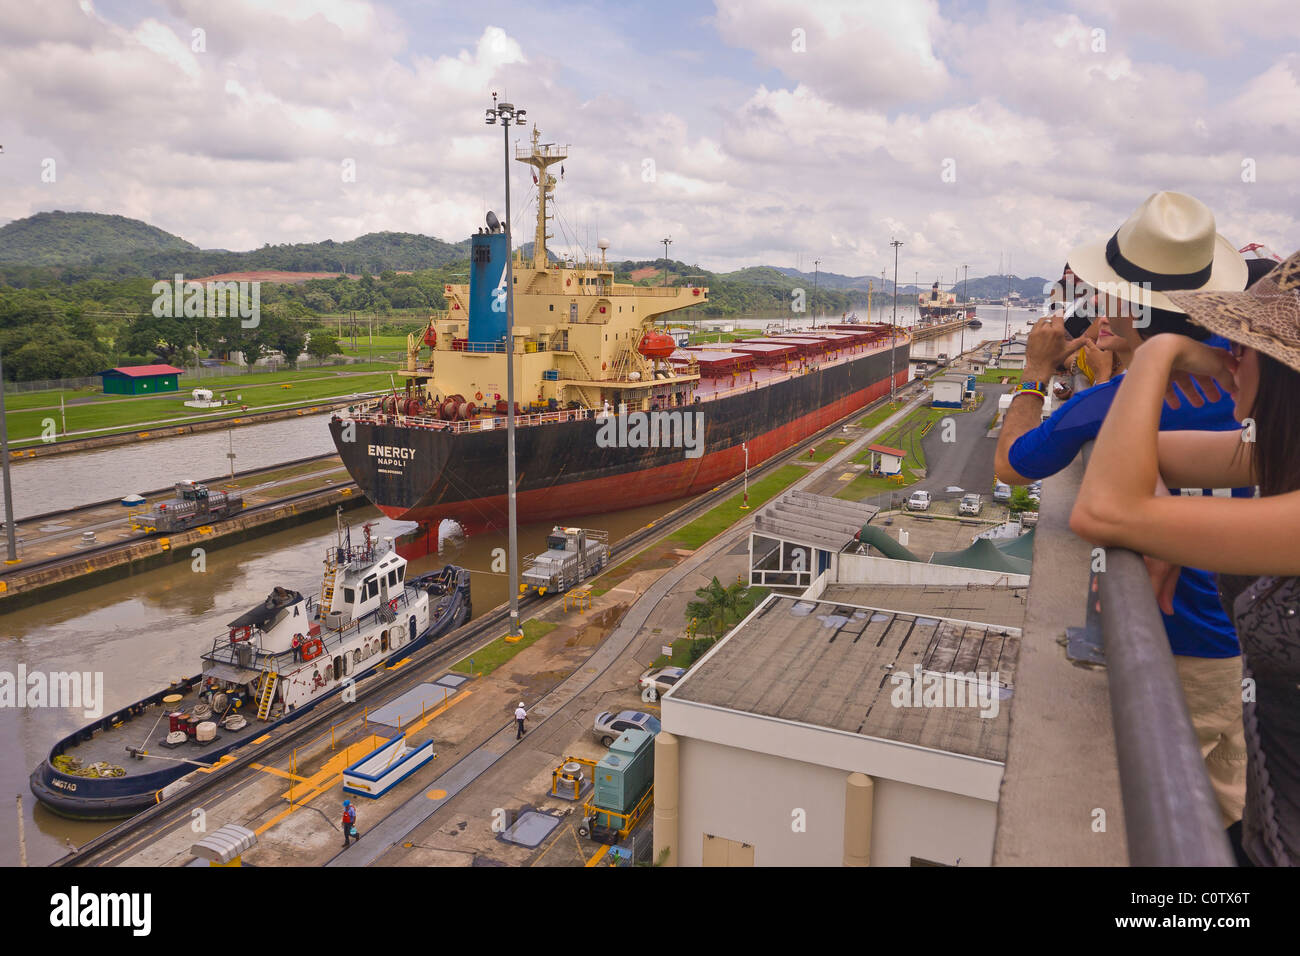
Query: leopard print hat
{"x": 1265, "y": 317}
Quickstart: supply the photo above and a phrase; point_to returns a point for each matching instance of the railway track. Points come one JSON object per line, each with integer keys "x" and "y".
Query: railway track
{"x": 128, "y": 837}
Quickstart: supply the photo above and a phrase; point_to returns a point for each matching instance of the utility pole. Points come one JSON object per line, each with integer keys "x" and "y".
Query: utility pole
{"x": 817, "y": 263}
{"x": 667, "y": 242}
{"x": 893, "y": 341}
{"x": 965, "y": 304}
{"x": 4, "y": 460}
{"x": 508, "y": 116}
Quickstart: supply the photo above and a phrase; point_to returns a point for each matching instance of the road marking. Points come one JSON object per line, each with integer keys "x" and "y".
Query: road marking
{"x": 599, "y": 853}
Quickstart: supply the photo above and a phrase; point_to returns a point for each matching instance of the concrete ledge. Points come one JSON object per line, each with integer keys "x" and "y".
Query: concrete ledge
{"x": 22, "y": 588}
{"x": 1061, "y": 763}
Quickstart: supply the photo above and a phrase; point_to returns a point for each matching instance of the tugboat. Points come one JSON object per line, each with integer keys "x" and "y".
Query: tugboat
{"x": 272, "y": 665}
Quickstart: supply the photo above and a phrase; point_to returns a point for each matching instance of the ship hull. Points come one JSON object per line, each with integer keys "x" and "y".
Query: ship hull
{"x": 425, "y": 474}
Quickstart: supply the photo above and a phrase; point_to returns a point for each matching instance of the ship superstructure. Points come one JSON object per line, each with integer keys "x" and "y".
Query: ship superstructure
{"x": 611, "y": 412}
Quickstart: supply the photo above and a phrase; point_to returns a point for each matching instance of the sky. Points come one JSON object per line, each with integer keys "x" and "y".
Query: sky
{"x": 775, "y": 132}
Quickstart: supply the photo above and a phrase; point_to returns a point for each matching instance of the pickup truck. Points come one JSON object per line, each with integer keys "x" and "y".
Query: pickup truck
{"x": 970, "y": 505}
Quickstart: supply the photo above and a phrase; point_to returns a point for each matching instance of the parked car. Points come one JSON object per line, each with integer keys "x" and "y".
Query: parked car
{"x": 1001, "y": 491}
{"x": 609, "y": 727}
{"x": 970, "y": 505}
{"x": 661, "y": 679}
{"x": 918, "y": 501}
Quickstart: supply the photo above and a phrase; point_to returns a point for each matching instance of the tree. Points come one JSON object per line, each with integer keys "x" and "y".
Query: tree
{"x": 322, "y": 345}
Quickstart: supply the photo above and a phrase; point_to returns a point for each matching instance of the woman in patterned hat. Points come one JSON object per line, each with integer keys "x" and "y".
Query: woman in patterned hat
{"x": 1252, "y": 542}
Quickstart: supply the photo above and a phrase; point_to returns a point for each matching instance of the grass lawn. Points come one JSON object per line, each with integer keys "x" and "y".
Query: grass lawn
{"x": 133, "y": 414}
{"x": 875, "y": 417}
{"x": 723, "y": 516}
{"x": 489, "y": 658}
{"x": 823, "y": 451}
{"x": 700, "y": 338}
{"x": 996, "y": 376}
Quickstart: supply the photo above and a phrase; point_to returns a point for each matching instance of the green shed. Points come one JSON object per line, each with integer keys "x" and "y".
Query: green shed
{"x": 141, "y": 380}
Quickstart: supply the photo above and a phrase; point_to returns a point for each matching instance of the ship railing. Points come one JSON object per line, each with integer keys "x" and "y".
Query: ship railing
{"x": 477, "y": 424}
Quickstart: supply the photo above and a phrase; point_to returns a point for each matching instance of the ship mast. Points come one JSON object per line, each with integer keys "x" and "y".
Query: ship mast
{"x": 540, "y": 157}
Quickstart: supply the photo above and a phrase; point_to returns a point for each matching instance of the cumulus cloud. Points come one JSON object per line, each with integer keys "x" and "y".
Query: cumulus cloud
{"x": 768, "y": 131}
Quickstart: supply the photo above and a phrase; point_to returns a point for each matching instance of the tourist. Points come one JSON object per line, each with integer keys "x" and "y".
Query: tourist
{"x": 1250, "y": 542}
{"x": 520, "y": 714}
{"x": 297, "y": 647}
{"x": 1201, "y": 635}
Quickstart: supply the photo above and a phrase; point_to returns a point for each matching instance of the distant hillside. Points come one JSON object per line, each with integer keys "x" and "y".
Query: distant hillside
{"x": 73, "y": 247}
{"x": 62, "y": 238}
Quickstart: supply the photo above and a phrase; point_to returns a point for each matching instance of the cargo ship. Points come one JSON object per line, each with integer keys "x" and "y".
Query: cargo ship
{"x": 271, "y": 665}
{"x": 610, "y": 411}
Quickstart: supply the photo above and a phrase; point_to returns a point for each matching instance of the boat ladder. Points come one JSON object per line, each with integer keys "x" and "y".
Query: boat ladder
{"x": 327, "y": 589}
{"x": 267, "y": 694}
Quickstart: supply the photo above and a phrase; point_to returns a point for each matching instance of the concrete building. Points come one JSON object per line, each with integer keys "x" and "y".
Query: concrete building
{"x": 828, "y": 732}
{"x": 949, "y": 391}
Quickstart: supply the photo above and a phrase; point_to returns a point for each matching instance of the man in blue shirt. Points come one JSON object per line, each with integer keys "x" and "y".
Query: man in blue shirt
{"x": 1201, "y": 636}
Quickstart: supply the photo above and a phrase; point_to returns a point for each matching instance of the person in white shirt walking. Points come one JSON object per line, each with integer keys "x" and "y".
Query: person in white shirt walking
{"x": 520, "y": 714}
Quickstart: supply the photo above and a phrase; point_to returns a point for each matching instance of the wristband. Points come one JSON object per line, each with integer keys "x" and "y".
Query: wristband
{"x": 1033, "y": 388}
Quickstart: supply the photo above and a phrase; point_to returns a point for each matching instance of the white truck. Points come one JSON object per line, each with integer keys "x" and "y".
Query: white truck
{"x": 919, "y": 501}
{"x": 970, "y": 505}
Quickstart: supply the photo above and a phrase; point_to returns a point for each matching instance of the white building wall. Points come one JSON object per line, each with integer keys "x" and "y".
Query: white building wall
{"x": 752, "y": 798}
{"x": 869, "y": 569}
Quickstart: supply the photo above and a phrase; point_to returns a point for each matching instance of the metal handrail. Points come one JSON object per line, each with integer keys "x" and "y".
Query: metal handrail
{"x": 1171, "y": 816}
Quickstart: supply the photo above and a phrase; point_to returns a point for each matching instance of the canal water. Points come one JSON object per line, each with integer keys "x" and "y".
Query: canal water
{"x": 67, "y": 481}
{"x": 142, "y": 632}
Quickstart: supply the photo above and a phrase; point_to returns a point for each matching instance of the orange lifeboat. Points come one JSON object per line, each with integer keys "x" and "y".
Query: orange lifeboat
{"x": 657, "y": 345}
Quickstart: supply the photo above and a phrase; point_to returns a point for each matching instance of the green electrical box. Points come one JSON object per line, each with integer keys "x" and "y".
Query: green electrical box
{"x": 626, "y": 772}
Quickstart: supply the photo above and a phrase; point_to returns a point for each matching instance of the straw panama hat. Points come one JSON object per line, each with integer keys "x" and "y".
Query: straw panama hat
{"x": 1265, "y": 317}
{"x": 1169, "y": 243}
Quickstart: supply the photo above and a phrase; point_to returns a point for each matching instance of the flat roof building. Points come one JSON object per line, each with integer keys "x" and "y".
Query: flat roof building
{"x": 829, "y": 732}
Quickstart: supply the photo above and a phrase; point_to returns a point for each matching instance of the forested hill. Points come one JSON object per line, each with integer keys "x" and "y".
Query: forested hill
{"x": 74, "y": 247}
{"x": 62, "y": 238}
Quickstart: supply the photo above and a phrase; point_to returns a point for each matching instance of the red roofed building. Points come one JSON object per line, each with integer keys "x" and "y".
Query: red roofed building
{"x": 141, "y": 380}
{"x": 886, "y": 460}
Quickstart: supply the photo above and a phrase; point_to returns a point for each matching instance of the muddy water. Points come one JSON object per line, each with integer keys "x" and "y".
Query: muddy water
{"x": 67, "y": 481}
{"x": 144, "y": 631}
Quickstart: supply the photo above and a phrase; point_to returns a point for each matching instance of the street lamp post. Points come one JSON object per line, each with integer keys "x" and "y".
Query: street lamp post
{"x": 667, "y": 242}
{"x": 10, "y": 534}
{"x": 965, "y": 304}
{"x": 893, "y": 342}
{"x": 745, "y": 446}
{"x": 507, "y": 115}
{"x": 817, "y": 263}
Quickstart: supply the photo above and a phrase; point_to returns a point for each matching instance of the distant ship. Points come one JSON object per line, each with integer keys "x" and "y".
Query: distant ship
{"x": 592, "y": 373}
